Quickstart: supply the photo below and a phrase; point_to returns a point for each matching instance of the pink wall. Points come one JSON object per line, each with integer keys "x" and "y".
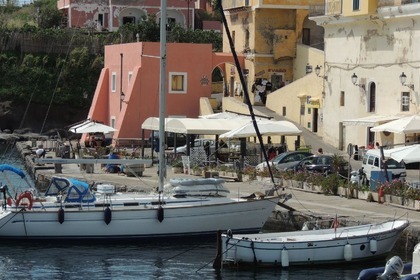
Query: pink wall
{"x": 197, "y": 61}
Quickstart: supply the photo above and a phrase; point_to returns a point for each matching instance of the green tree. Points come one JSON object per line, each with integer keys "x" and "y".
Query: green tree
{"x": 47, "y": 14}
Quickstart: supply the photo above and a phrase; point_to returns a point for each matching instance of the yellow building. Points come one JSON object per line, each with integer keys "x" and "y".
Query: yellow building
{"x": 266, "y": 34}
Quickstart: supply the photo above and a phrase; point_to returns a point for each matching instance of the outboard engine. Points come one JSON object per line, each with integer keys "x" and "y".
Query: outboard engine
{"x": 393, "y": 269}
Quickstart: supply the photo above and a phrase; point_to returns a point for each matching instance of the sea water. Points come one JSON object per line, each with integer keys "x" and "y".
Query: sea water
{"x": 157, "y": 259}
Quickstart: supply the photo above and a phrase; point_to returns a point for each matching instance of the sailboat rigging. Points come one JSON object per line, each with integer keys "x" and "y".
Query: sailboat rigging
{"x": 245, "y": 89}
{"x": 71, "y": 210}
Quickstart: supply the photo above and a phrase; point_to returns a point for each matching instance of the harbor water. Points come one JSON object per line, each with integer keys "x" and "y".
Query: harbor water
{"x": 157, "y": 259}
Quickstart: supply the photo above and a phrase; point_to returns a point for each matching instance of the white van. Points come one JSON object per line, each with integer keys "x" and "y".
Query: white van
{"x": 372, "y": 161}
{"x": 198, "y": 143}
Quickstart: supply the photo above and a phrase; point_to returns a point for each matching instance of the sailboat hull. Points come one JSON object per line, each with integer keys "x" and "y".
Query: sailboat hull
{"x": 200, "y": 217}
{"x": 325, "y": 246}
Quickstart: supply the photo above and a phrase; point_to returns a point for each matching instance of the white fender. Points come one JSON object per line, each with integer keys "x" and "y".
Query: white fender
{"x": 284, "y": 258}
{"x": 373, "y": 245}
{"x": 348, "y": 252}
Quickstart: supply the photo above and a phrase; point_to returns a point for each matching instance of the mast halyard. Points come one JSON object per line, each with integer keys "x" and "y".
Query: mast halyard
{"x": 162, "y": 95}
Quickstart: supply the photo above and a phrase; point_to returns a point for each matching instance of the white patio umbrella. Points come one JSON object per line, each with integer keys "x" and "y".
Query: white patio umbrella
{"x": 408, "y": 154}
{"x": 266, "y": 128}
{"x": 405, "y": 125}
{"x": 91, "y": 127}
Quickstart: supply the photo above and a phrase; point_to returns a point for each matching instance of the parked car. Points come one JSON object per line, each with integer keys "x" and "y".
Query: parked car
{"x": 284, "y": 160}
{"x": 322, "y": 164}
{"x": 198, "y": 143}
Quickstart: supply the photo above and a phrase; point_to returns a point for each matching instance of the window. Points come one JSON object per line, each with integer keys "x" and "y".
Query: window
{"x": 233, "y": 37}
{"x": 405, "y": 102}
{"x": 342, "y": 95}
{"x": 302, "y": 110}
{"x": 372, "y": 97}
{"x": 113, "y": 121}
{"x": 284, "y": 110}
{"x": 178, "y": 82}
{"x": 309, "y": 111}
{"x": 309, "y": 124}
{"x": 246, "y": 38}
{"x": 376, "y": 162}
{"x": 356, "y": 5}
{"x": 114, "y": 82}
{"x": 101, "y": 19}
{"x": 171, "y": 22}
{"x": 130, "y": 75}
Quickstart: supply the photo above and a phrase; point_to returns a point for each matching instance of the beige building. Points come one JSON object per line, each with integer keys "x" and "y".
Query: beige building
{"x": 369, "y": 46}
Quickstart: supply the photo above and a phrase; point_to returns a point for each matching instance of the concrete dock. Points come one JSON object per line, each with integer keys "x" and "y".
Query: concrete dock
{"x": 305, "y": 204}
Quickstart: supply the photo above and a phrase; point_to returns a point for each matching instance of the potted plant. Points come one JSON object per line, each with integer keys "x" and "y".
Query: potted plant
{"x": 177, "y": 166}
{"x": 197, "y": 171}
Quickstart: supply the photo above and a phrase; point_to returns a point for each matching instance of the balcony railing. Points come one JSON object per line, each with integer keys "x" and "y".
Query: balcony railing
{"x": 334, "y": 7}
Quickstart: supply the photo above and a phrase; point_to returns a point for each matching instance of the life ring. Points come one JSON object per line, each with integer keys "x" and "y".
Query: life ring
{"x": 28, "y": 195}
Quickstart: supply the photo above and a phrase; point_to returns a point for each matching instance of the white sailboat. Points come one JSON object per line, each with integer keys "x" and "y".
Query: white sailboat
{"x": 71, "y": 210}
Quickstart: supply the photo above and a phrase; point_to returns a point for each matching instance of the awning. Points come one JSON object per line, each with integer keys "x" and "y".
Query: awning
{"x": 313, "y": 102}
{"x": 370, "y": 120}
{"x": 196, "y": 126}
{"x": 91, "y": 127}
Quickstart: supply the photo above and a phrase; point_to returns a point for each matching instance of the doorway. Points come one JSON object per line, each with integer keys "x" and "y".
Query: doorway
{"x": 314, "y": 119}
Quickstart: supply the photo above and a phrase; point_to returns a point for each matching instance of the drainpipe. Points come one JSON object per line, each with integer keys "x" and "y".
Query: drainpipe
{"x": 121, "y": 85}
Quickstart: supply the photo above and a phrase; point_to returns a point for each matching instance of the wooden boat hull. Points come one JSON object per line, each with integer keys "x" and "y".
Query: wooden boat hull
{"x": 346, "y": 244}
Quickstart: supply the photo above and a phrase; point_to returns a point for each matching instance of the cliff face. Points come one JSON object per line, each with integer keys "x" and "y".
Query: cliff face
{"x": 14, "y": 116}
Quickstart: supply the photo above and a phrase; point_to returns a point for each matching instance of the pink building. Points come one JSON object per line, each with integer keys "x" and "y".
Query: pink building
{"x": 128, "y": 88}
{"x": 110, "y": 15}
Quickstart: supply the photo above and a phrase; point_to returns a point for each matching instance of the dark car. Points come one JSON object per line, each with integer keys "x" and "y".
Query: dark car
{"x": 322, "y": 164}
{"x": 284, "y": 160}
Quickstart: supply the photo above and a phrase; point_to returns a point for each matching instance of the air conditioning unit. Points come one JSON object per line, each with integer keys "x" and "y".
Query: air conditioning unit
{"x": 405, "y": 101}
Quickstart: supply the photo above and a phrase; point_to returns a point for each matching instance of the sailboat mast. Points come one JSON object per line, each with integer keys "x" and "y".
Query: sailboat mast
{"x": 162, "y": 95}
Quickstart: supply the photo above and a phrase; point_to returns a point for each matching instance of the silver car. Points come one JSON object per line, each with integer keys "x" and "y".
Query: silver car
{"x": 284, "y": 160}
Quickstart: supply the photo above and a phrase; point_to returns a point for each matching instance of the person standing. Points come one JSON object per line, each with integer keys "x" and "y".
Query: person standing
{"x": 207, "y": 150}
{"x": 40, "y": 152}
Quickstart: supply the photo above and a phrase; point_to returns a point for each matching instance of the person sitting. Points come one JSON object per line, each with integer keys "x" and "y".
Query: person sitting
{"x": 112, "y": 168}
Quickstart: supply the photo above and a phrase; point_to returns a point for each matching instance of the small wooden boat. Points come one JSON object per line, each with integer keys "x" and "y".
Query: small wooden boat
{"x": 310, "y": 247}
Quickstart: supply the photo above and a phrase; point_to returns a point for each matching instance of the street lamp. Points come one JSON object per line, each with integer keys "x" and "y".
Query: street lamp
{"x": 354, "y": 81}
{"x": 318, "y": 71}
{"x": 403, "y": 79}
